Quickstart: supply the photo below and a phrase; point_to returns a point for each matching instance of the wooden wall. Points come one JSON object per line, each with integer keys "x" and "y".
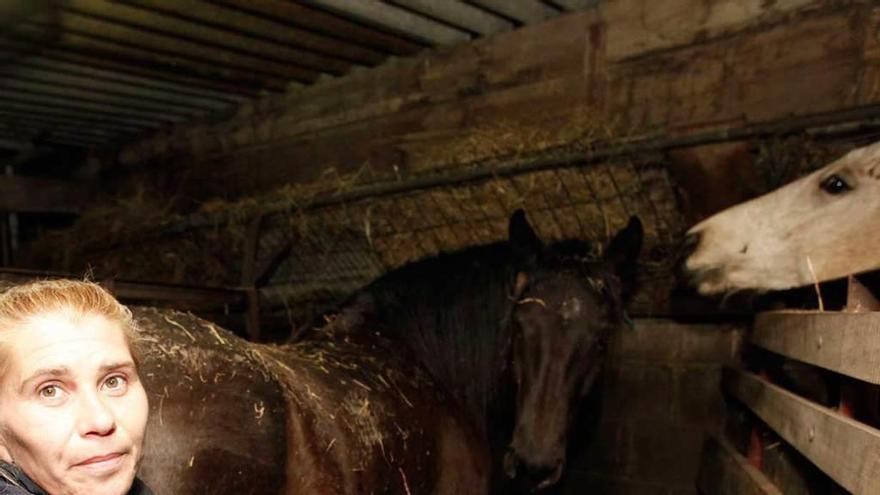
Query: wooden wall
{"x": 660, "y": 395}
{"x": 628, "y": 67}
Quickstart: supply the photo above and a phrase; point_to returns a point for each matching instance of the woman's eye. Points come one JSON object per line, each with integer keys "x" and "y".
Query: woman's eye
{"x": 115, "y": 383}
{"x": 50, "y": 392}
{"x": 835, "y": 185}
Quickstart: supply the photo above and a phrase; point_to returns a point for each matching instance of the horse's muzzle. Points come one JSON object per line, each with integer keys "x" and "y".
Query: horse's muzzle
{"x": 530, "y": 476}
{"x": 688, "y": 247}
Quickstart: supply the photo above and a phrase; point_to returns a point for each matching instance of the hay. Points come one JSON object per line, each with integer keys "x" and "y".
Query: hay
{"x": 338, "y": 248}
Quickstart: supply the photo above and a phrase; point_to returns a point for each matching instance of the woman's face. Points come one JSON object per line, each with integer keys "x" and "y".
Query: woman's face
{"x": 72, "y": 409}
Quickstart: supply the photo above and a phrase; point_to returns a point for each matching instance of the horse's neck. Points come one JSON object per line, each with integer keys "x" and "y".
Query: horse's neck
{"x": 461, "y": 335}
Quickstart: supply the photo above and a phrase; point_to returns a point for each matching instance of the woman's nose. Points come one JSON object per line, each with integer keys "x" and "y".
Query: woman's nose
{"x": 95, "y": 416}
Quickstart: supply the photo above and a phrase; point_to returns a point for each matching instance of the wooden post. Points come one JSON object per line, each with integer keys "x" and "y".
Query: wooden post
{"x": 859, "y": 298}
{"x": 248, "y": 278}
{"x": 5, "y": 240}
{"x": 756, "y": 449}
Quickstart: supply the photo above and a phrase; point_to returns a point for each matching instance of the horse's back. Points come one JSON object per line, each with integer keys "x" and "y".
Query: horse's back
{"x": 217, "y": 416}
{"x": 365, "y": 420}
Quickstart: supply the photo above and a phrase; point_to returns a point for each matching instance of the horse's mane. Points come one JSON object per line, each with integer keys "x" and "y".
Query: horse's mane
{"x": 451, "y": 310}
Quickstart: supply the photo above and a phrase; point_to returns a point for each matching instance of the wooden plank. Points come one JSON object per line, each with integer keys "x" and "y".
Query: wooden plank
{"x": 26, "y": 194}
{"x": 297, "y": 14}
{"x": 77, "y": 114}
{"x": 48, "y": 101}
{"x": 102, "y": 63}
{"x": 78, "y": 25}
{"x": 723, "y": 471}
{"x": 104, "y": 52}
{"x": 175, "y": 28}
{"x": 82, "y": 134}
{"x": 84, "y": 83}
{"x": 121, "y": 102}
{"x": 13, "y": 144}
{"x": 795, "y": 68}
{"x": 460, "y": 14}
{"x": 449, "y": 86}
{"x": 575, "y": 4}
{"x": 395, "y": 19}
{"x": 846, "y": 450}
{"x": 189, "y": 92}
{"x": 859, "y": 299}
{"x": 525, "y": 11}
{"x": 847, "y": 343}
{"x": 636, "y": 27}
{"x": 181, "y": 296}
{"x": 257, "y": 26}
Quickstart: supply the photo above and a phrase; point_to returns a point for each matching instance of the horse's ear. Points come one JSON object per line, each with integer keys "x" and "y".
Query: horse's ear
{"x": 523, "y": 240}
{"x": 622, "y": 251}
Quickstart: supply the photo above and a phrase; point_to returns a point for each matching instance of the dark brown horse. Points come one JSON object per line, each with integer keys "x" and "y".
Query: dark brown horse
{"x": 513, "y": 330}
{"x": 231, "y": 417}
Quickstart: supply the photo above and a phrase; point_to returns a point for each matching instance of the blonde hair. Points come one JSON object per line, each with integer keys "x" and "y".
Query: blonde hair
{"x": 75, "y": 298}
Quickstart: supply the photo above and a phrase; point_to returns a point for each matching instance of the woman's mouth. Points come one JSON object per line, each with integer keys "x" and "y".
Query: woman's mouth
{"x": 102, "y": 463}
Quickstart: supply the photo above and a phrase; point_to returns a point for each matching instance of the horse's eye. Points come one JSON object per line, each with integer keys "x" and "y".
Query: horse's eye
{"x": 835, "y": 185}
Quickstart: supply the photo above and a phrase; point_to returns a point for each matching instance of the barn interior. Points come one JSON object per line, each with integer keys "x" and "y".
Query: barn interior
{"x": 255, "y": 162}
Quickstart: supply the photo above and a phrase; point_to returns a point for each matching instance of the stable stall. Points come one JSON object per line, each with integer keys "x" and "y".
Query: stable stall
{"x": 257, "y": 162}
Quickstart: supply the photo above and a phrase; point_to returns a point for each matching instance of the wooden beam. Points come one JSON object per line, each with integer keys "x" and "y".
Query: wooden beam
{"x": 14, "y": 11}
{"x": 48, "y": 120}
{"x": 130, "y": 57}
{"x": 110, "y": 64}
{"x": 248, "y": 278}
{"x": 27, "y": 194}
{"x": 77, "y": 114}
{"x": 396, "y": 19}
{"x": 460, "y": 14}
{"x": 636, "y": 27}
{"x": 173, "y": 28}
{"x": 297, "y": 14}
{"x": 78, "y": 26}
{"x": 13, "y": 144}
{"x": 191, "y": 93}
{"x": 575, "y": 4}
{"x": 723, "y": 471}
{"x": 40, "y": 99}
{"x": 846, "y": 343}
{"x": 846, "y": 450}
{"x": 84, "y": 83}
{"x": 859, "y": 299}
{"x": 525, "y": 11}
{"x": 254, "y": 26}
{"x": 113, "y": 103}
{"x": 179, "y": 296}
{"x": 202, "y": 297}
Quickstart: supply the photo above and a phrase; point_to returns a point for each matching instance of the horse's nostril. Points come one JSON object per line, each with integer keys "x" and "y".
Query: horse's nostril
{"x": 542, "y": 477}
{"x": 511, "y": 463}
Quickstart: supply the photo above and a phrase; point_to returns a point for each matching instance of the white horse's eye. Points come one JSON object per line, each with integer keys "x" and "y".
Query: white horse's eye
{"x": 834, "y": 184}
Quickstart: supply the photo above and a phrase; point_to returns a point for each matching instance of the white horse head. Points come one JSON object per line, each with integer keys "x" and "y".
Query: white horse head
{"x": 823, "y": 226}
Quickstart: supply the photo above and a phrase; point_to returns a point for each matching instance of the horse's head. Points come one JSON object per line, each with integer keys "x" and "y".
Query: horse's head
{"x": 820, "y": 227}
{"x": 566, "y": 301}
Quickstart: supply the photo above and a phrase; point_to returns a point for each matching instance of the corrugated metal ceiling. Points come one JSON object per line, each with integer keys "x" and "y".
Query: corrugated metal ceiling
{"x": 98, "y": 73}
